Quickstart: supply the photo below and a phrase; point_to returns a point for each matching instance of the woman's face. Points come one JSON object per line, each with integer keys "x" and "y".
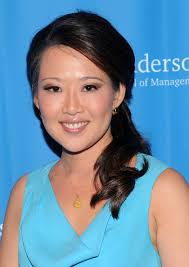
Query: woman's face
{"x": 75, "y": 99}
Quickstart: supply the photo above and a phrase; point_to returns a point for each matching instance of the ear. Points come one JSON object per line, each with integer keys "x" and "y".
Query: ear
{"x": 35, "y": 101}
{"x": 119, "y": 96}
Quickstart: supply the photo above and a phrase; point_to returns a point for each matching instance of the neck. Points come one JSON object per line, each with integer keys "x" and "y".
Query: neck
{"x": 81, "y": 165}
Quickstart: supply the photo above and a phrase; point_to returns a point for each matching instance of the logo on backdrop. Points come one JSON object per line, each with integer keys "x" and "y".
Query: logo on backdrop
{"x": 154, "y": 72}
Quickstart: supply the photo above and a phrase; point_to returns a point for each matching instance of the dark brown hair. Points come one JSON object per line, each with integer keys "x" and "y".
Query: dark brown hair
{"x": 99, "y": 41}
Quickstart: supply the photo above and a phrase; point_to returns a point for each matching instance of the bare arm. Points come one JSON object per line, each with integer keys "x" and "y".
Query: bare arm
{"x": 9, "y": 242}
{"x": 171, "y": 211}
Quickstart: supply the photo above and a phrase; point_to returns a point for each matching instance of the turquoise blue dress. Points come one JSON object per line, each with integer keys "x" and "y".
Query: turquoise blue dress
{"x": 47, "y": 239}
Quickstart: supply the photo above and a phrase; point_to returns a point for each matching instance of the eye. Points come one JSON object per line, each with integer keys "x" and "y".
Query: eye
{"x": 90, "y": 87}
{"x": 52, "y": 88}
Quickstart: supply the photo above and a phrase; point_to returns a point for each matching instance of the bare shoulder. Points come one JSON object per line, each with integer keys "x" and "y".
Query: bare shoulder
{"x": 9, "y": 241}
{"x": 16, "y": 198}
{"x": 170, "y": 208}
{"x": 170, "y": 190}
{"x": 19, "y": 187}
{"x": 170, "y": 186}
{"x": 172, "y": 177}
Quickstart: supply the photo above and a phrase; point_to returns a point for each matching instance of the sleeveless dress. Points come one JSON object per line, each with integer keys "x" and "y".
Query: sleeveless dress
{"x": 47, "y": 239}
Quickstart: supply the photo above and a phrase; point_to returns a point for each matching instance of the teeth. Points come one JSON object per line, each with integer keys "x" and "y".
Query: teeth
{"x": 75, "y": 125}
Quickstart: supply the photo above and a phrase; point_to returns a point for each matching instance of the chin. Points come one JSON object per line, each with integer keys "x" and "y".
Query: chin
{"x": 78, "y": 148}
{"x": 84, "y": 143}
{"x": 73, "y": 150}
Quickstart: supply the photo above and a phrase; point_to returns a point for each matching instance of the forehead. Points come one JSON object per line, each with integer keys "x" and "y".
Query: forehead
{"x": 63, "y": 60}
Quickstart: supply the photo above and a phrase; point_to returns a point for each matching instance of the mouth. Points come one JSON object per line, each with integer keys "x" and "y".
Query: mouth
{"x": 74, "y": 127}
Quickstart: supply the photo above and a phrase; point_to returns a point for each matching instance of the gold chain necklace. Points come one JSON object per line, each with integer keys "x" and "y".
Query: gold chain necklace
{"x": 77, "y": 202}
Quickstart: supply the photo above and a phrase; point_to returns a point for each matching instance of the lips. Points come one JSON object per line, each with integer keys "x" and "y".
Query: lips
{"x": 74, "y": 127}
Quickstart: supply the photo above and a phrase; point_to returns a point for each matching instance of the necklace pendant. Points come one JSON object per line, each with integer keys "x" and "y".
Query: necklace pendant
{"x": 77, "y": 203}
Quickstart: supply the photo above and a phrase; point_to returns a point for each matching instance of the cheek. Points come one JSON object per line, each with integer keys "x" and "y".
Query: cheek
{"x": 48, "y": 109}
{"x": 102, "y": 107}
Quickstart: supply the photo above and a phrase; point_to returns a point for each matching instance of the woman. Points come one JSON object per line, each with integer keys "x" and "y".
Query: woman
{"x": 106, "y": 202}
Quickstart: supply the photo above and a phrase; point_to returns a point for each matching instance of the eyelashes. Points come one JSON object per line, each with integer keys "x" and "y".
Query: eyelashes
{"x": 86, "y": 88}
{"x": 90, "y": 87}
{"x": 52, "y": 88}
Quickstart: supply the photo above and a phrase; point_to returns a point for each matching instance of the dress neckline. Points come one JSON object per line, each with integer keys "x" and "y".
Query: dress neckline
{"x": 104, "y": 209}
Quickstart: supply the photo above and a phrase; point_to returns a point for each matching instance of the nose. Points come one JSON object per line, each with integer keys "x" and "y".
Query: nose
{"x": 71, "y": 103}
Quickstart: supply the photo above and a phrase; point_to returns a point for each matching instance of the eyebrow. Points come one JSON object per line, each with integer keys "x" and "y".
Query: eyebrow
{"x": 91, "y": 77}
{"x": 82, "y": 78}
